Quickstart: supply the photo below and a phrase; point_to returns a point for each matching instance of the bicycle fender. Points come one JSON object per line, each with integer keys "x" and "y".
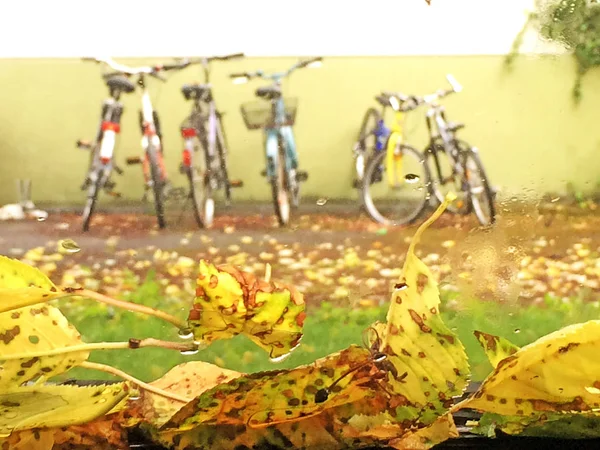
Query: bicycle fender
{"x": 272, "y": 150}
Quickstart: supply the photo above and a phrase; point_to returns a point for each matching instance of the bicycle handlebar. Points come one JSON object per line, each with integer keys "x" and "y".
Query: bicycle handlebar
{"x": 141, "y": 70}
{"x": 207, "y": 59}
{"x": 242, "y": 77}
{"x": 411, "y": 102}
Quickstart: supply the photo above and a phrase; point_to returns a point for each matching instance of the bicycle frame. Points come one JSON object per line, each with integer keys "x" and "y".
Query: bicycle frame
{"x": 279, "y": 131}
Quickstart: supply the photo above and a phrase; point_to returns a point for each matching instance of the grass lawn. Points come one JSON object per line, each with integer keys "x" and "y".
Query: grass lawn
{"x": 327, "y": 329}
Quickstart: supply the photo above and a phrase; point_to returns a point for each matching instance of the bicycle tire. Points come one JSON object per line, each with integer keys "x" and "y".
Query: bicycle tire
{"x": 203, "y": 205}
{"x": 485, "y": 189}
{"x": 461, "y": 206}
{"x": 157, "y": 185}
{"x": 221, "y": 151}
{"x": 90, "y": 204}
{"x": 370, "y": 174}
{"x": 281, "y": 201}
{"x": 361, "y": 152}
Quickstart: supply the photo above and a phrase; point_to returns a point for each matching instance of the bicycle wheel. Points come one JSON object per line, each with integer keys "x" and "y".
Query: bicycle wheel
{"x": 445, "y": 177}
{"x": 365, "y": 142}
{"x": 201, "y": 194}
{"x": 402, "y": 202}
{"x": 222, "y": 152}
{"x": 281, "y": 197}
{"x": 157, "y": 184}
{"x": 480, "y": 192}
{"x": 93, "y": 190}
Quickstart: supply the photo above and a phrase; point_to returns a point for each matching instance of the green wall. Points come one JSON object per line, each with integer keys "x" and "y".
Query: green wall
{"x": 530, "y": 134}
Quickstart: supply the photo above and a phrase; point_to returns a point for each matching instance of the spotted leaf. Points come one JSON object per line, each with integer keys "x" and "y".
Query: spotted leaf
{"x": 32, "y": 329}
{"x": 430, "y": 362}
{"x": 23, "y": 285}
{"x": 267, "y": 398}
{"x": 229, "y": 302}
{"x": 424, "y": 438}
{"x": 496, "y": 348}
{"x": 47, "y": 406}
{"x": 559, "y": 372}
{"x": 188, "y": 380}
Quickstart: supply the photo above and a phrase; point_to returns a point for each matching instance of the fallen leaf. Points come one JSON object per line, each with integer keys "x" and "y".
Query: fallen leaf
{"x": 229, "y": 301}
{"x": 496, "y": 348}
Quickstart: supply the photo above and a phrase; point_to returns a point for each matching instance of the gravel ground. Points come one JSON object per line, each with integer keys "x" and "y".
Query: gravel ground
{"x": 331, "y": 252}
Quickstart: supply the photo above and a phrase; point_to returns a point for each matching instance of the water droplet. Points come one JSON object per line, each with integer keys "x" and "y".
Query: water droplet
{"x": 321, "y": 201}
{"x": 592, "y": 390}
{"x": 186, "y": 333}
{"x": 135, "y": 396}
{"x": 41, "y": 216}
{"x": 69, "y": 245}
{"x": 555, "y": 199}
{"x": 400, "y": 286}
{"x": 189, "y": 352}
{"x": 560, "y": 390}
{"x": 517, "y": 330}
{"x": 412, "y": 178}
{"x": 279, "y": 358}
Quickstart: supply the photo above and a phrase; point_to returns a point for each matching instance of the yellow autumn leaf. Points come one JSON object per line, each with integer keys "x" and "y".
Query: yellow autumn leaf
{"x": 496, "y": 348}
{"x": 23, "y": 285}
{"x": 32, "y": 329}
{"x": 229, "y": 302}
{"x": 559, "y": 372}
{"x": 48, "y": 406}
{"x": 430, "y": 362}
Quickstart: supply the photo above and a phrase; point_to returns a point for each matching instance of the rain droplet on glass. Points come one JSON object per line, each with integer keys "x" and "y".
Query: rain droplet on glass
{"x": 411, "y": 178}
{"x": 517, "y": 330}
{"x": 321, "y": 201}
{"x": 69, "y": 245}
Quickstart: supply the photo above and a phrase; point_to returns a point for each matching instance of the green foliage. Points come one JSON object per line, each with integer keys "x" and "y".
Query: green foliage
{"x": 574, "y": 24}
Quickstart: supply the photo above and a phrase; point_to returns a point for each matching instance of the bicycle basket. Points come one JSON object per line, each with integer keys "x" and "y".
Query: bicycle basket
{"x": 259, "y": 114}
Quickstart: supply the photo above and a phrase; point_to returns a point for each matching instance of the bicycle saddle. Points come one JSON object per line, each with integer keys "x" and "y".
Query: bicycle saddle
{"x": 121, "y": 83}
{"x": 194, "y": 90}
{"x": 269, "y": 92}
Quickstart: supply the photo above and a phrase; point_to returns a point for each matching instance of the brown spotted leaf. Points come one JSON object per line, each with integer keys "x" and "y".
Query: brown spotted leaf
{"x": 267, "y": 398}
{"x": 430, "y": 362}
{"x": 229, "y": 302}
{"x": 559, "y": 372}
{"x": 27, "y": 331}
{"x": 496, "y": 348}
{"x": 47, "y": 406}
{"x": 187, "y": 380}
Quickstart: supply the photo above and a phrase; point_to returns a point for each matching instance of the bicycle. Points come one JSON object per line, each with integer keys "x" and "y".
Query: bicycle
{"x": 464, "y": 171}
{"x": 101, "y": 163}
{"x": 277, "y": 121}
{"x": 203, "y": 129}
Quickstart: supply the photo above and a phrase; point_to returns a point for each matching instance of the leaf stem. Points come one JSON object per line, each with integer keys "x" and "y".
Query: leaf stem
{"x": 148, "y": 387}
{"x": 134, "y": 307}
{"x": 131, "y": 344}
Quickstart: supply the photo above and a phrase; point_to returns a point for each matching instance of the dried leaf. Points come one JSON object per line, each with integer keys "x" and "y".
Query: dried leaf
{"x": 496, "y": 348}
{"x": 229, "y": 301}
{"x": 267, "y": 398}
{"x": 424, "y": 438}
{"x": 50, "y": 406}
{"x": 34, "y": 328}
{"x": 189, "y": 380}
{"x": 559, "y": 372}
{"x": 430, "y": 362}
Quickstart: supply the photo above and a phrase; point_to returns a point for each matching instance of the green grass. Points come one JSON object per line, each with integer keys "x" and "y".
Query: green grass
{"x": 327, "y": 329}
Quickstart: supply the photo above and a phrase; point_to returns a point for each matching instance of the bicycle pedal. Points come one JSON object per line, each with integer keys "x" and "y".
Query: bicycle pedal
{"x": 236, "y": 183}
{"x": 133, "y": 160}
{"x": 301, "y": 175}
{"x": 83, "y": 144}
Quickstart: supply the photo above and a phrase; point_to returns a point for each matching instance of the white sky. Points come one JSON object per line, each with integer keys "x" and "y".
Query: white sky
{"x": 73, "y": 28}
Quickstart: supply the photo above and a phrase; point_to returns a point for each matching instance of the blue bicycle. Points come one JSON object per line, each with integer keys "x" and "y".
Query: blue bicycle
{"x": 277, "y": 119}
